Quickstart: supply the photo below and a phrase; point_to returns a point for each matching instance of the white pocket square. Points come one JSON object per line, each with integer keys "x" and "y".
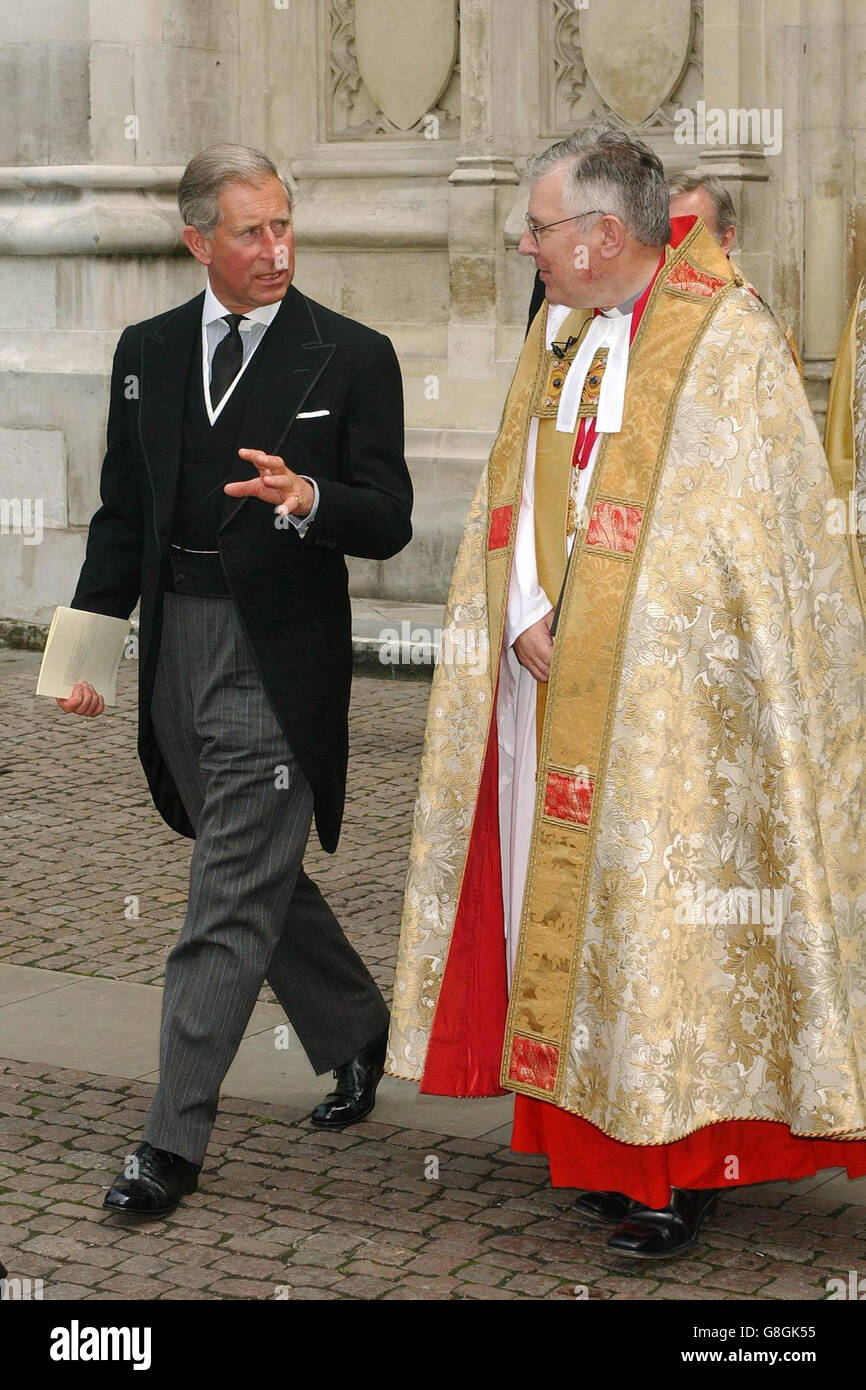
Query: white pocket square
{"x": 310, "y": 414}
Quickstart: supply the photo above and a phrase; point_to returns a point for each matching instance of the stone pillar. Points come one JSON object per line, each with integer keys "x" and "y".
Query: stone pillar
{"x": 733, "y": 79}
{"x": 824, "y": 161}
{"x": 484, "y": 172}
{"x": 855, "y": 142}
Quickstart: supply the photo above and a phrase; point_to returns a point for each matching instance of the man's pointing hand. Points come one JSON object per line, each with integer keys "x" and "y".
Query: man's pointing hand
{"x": 275, "y": 484}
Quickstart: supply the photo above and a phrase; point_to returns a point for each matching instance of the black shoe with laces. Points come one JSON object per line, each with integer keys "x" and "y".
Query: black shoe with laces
{"x": 160, "y": 1180}
{"x": 354, "y": 1095}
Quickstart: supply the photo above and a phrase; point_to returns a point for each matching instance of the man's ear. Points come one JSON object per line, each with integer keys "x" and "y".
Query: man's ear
{"x": 197, "y": 245}
{"x": 727, "y": 240}
{"x": 613, "y": 236}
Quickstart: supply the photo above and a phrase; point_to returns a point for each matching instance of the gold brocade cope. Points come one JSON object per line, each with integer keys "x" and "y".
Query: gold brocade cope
{"x": 789, "y": 335}
{"x": 585, "y": 671}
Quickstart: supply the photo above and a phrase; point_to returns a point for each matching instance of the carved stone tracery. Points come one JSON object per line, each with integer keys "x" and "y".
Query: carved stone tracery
{"x": 571, "y": 100}
{"x": 352, "y": 114}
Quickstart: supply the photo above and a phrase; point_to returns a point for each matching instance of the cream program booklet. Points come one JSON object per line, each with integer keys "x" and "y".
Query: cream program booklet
{"x": 82, "y": 647}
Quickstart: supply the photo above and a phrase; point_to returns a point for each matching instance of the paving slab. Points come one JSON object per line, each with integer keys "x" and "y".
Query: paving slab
{"x": 92, "y": 1025}
{"x": 23, "y": 982}
{"x": 89, "y": 1023}
{"x": 96, "y": 1025}
{"x": 264, "y": 1072}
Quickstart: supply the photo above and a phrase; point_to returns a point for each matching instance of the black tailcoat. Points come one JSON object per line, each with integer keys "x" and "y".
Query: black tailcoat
{"x": 291, "y": 593}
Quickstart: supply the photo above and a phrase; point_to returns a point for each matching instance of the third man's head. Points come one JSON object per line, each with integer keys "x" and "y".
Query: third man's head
{"x": 705, "y": 196}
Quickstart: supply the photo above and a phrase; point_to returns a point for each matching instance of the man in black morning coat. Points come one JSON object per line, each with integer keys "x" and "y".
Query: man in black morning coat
{"x": 254, "y": 439}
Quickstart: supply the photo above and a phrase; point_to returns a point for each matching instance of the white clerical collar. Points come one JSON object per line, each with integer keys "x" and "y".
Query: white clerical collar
{"x": 212, "y": 309}
{"x": 558, "y": 313}
{"x": 623, "y": 310}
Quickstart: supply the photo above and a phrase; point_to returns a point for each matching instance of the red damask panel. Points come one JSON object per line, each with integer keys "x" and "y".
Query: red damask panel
{"x": 568, "y": 796}
{"x": 500, "y": 527}
{"x": 534, "y": 1063}
{"x": 614, "y": 526}
{"x": 686, "y": 278}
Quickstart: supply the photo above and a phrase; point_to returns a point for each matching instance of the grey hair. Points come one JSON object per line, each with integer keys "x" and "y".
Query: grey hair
{"x": 716, "y": 192}
{"x": 614, "y": 172}
{"x": 212, "y": 170}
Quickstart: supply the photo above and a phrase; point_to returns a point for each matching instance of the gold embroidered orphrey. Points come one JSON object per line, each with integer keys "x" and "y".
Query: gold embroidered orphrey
{"x": 702, "y": 746}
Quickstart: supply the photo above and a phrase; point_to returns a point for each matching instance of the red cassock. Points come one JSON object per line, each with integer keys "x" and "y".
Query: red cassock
{"x": 582, "y": 1156}
{"x": 465, "y": 1051}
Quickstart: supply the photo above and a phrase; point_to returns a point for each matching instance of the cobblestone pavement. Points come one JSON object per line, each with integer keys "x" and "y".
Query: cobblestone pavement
{"x": 80, "y": 835}
{"x": 286, "y": 1211}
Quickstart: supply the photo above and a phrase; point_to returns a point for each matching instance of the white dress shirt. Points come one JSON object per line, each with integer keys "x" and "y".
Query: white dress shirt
{"x": 252, "y": 329}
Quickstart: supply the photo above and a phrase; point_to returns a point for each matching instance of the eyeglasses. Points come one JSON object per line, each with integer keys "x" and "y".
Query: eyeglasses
{"x": 535, "y": 230}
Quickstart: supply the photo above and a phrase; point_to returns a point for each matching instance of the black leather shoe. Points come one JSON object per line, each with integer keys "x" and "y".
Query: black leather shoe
{"x": 163, "y": 1178}
{"x": 354, "y": 1095}
{"x": 604, "y": 1206}
{"x": 658, "y": 1235}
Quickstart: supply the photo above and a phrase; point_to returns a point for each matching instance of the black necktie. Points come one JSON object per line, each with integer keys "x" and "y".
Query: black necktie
{"x": 227, "y": 360}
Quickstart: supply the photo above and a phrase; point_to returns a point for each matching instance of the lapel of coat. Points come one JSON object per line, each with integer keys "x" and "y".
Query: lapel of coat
{"x": 165, "y": 361}
{"x": 293, "y": 358}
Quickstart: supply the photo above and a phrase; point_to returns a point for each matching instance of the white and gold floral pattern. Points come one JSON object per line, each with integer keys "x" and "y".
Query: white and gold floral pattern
{"x": 738, "y": 750}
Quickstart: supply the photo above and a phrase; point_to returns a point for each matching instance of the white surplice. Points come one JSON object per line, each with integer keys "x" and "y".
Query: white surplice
{"x": 528, "y": 603}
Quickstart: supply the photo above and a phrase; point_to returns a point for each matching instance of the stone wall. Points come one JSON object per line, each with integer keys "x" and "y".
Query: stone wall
{"x": 404, "y": 125}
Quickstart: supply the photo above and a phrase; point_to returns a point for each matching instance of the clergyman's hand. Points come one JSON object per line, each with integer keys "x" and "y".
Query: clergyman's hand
{"x": 276, "y": 484}
{"x": 82, "y": 699}
{"x": 534, "y": 648}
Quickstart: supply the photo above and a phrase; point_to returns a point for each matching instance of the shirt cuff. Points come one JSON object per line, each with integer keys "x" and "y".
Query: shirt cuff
{"x": 530, "y": 611}
{"x": 303, "y": 523}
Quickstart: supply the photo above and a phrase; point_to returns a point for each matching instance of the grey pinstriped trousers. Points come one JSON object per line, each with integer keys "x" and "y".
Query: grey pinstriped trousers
{"x": 252, "y": 913}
